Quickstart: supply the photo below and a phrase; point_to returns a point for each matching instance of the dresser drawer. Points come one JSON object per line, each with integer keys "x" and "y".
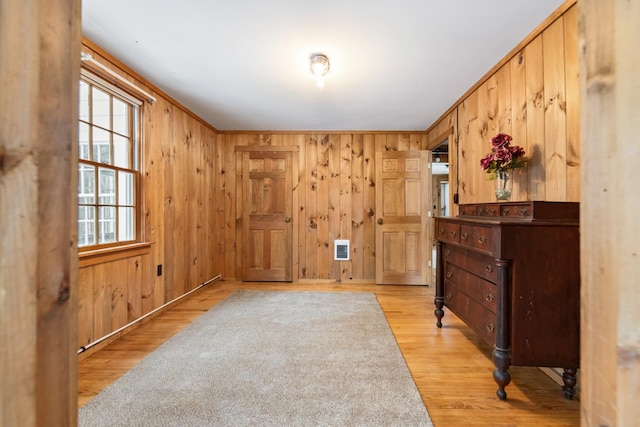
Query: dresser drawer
{"x": 523, "y": 210}
{"x": 469, "y": 210}
{"x": 478, "y": 289}
{"x": 448, "y": 231}
{"x": 477, "y": 237}
{"x": 457, "y": 301}
{"x": 473, "y": 314}
{"x": 475, "y": 262}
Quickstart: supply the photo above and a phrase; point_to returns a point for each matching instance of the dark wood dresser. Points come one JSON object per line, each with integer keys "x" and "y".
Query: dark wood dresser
{"x": 511, "y": 272}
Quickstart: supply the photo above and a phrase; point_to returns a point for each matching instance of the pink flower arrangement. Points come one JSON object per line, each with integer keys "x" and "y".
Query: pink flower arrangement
{"x": 503, "y": 156}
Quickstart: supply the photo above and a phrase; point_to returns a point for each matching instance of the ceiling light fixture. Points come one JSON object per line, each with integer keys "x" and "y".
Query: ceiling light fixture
{"x": 319, "y": 67}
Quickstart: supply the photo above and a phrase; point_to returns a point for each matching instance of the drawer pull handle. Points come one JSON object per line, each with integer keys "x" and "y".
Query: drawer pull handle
{"x": 482, "y": 239}
{"x": 489, "y": 268}
{"x": 447, "y": 252}
{"x": 454, "y": 234}
{"x": 449, "y": 274}
{"x": 491, "y": 327}
{"x": 441, "y": 230}
{"x": 464, "y": 235}
{"x": 493, "y": 212}
{"x": 505, "y": 212}
{"x": 448, "y": 296}
{"x": 489, "y": 297}
{"x": 524, "y": 212}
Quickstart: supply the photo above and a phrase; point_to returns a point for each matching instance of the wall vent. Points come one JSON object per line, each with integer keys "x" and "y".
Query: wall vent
{"x": 341, "y": 250}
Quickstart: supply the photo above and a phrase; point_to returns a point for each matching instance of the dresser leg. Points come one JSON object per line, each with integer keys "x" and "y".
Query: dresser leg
{"x": 502, "y": 347}
{"x": 439, "y": 301}
{"x": 569, "y": 379}
{"x": 501, "y": 375}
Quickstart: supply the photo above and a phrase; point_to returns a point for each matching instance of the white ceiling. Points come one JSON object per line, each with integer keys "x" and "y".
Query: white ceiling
{"x": 244, "y": 64}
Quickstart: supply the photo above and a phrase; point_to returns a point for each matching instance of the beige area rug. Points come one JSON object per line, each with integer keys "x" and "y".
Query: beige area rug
{"x": 264, "y": 358}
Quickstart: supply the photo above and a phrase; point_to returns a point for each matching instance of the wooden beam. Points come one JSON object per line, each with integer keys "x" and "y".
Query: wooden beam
{"x": 609, "y": 126}
{"x": 40, "y": 48}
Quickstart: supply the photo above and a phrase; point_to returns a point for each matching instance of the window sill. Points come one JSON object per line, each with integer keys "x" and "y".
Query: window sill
{"x": 99, "y": 256}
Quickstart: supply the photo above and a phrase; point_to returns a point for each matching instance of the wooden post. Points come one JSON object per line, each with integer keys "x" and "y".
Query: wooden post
{"x": 610, "y": 253}
{"x": 39, "y": 73}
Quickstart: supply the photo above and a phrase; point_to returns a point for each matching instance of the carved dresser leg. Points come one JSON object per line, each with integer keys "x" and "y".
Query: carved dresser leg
{"x": 501, "y": 375}
{"x": 569, "y": 379}
{"x": 502, "y": 348}
{"x": 439, "y": 300}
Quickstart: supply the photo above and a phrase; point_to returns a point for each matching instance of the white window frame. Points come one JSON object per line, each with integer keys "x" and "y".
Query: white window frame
{"x": 124, "y": 233}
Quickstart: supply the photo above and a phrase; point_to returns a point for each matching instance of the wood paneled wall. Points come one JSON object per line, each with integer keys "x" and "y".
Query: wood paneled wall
{"x": 336, "y": 198}
{"x": 532, "y": 95}
{"x": 182, "y": 174}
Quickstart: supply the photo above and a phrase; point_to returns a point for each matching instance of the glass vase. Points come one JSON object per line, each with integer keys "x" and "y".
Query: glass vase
{"x": 504, "y": 185}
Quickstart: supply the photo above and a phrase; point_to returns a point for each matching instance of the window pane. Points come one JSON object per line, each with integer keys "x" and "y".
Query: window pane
{"x": 121, "y": 151}
{"x": 107, "y": 187}
{"x": 126, "y": 224}
{"x": 86, "y": 184}
{"x": 101, "y": 146}
{"x": 83, "y": 141}
{"x": 120, "y": 117}
{"x": 86, "y": 226}
{"x": 108, "y": 135}
{"x": 107, "y": 225}
{"x": 84, "y": 101}
{"x": 125, "y": 188}
{"x": 101, "y": 108}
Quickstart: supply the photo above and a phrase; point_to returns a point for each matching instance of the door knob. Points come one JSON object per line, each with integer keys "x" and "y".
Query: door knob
{"x": 380, "y": 221}
{"x": 287, "y": 219}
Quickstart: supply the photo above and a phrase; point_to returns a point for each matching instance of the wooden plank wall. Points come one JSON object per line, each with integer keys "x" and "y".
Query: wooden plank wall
{"x": 533, "y": 95}
{"x": 335, "y": 189}
{"x": 184, "y": 207}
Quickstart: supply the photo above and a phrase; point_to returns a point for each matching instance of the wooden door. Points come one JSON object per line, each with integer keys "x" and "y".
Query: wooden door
{"x": 267, "y": 216}
{"x": 403, "y": 239}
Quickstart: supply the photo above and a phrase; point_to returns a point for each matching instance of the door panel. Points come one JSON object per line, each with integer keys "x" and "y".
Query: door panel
{"x": 267, "y": 216}
{"x": 403, "y": 239}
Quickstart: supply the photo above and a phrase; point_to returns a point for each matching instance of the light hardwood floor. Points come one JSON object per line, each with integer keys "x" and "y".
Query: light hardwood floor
{"x": 451, "y": 366}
